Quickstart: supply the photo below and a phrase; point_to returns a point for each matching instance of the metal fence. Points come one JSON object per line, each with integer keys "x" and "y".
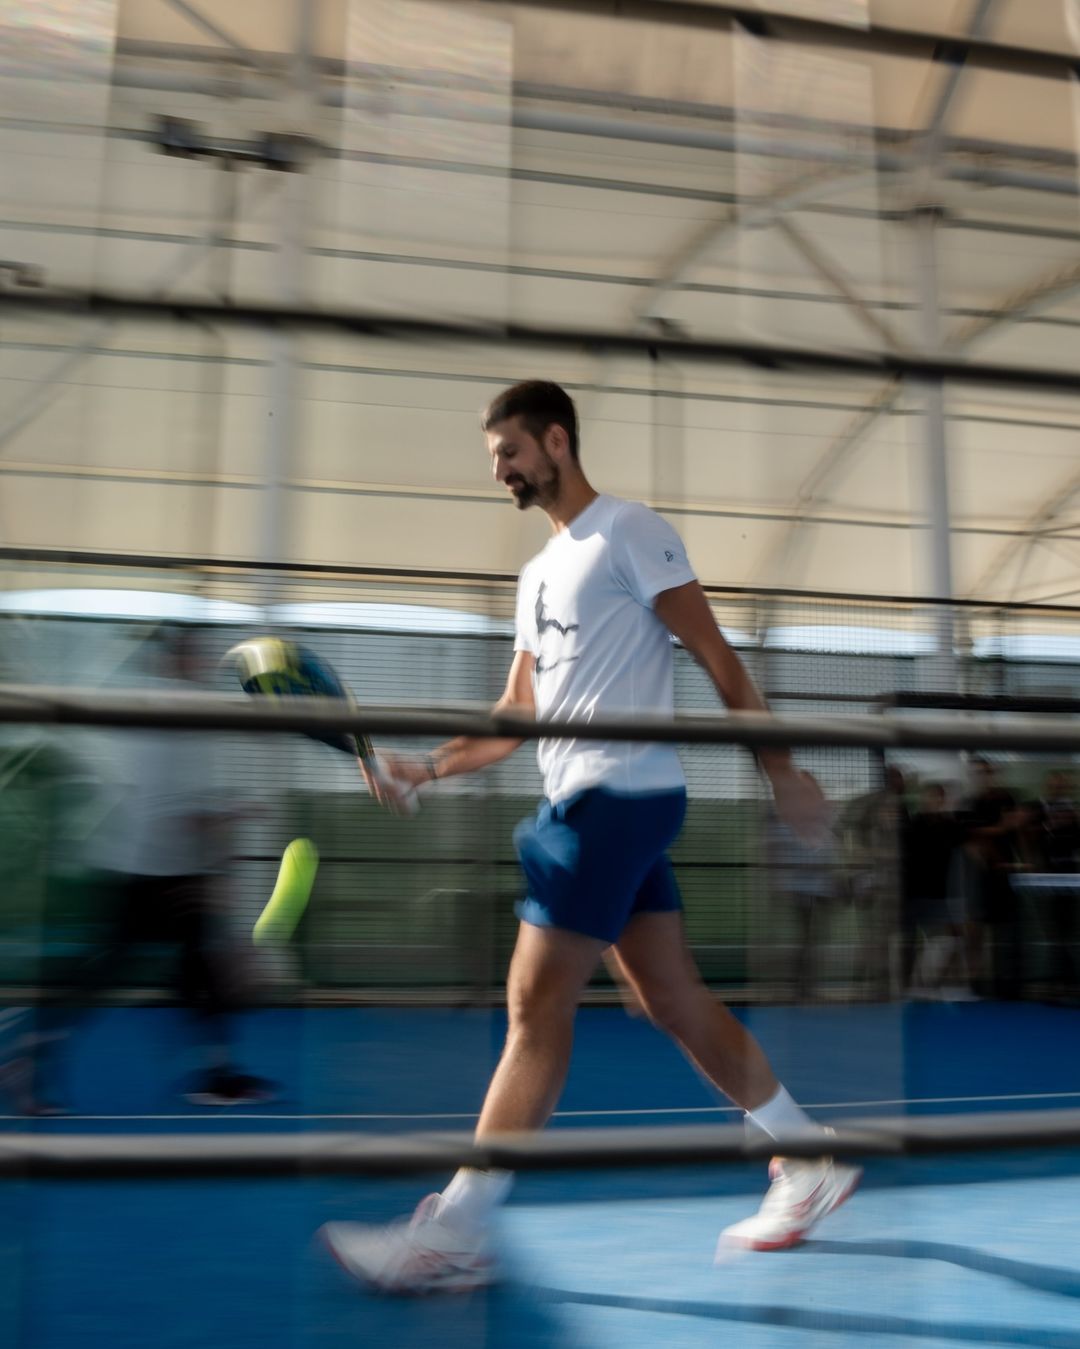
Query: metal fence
{"x": 407, "y": 905}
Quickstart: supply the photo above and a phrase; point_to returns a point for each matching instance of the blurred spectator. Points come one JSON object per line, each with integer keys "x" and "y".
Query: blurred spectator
{"x": 1054, "y": 836}
{"x": 49, "y": 800}
{"x": 871, "y": 828}
{"x": 992, "y": 829}
{"x": 934, "y": 960}
{"x": 159, "y": 854}
{"x": 802, "y": 882}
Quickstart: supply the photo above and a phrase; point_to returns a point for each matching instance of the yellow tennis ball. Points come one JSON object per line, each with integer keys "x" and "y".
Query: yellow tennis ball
{"x": 291, "y": 893}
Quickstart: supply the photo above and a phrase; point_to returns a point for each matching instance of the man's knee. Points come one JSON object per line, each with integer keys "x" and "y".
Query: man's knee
{"x": 542, "y": 997}
{"x": 674, "y": 1010}
{"x": 532, "y": 1004}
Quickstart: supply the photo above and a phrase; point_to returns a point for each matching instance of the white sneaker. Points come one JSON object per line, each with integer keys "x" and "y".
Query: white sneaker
{"x": 421, "y": 1254}
{"x": 801, "y": 1194}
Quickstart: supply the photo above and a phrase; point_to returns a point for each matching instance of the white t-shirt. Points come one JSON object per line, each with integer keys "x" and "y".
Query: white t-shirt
{"x": 584, "y": 611}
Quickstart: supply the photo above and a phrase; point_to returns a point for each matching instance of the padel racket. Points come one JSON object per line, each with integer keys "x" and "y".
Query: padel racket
{"x": 272, "y": 667}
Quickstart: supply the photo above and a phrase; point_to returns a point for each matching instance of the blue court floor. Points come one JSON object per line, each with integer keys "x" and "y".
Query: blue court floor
{"x": 930, "y": 1252}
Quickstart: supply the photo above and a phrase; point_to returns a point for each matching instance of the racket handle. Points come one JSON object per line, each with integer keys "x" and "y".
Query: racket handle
{"x": 403, "y": 792}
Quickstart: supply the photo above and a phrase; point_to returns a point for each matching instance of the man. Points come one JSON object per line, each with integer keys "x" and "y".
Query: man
{"x": 596, "y": 611}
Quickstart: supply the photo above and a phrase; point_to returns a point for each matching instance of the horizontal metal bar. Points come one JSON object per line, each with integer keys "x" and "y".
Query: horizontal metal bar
{"x": 769, "y": 356}
{"x": 284, "y": 1156}
{"x": 383, "y": 75}
{"x": 769, "y": 21}
{"x": 973, "y": 702}
{"x": 69, "y": 473}
{"x": 75, "y": 557}
{"x": 630, "y": 281}
{"x": 573, "y": 386}
{"x": 211, "y": 712}
{"x": 979, "y": 173}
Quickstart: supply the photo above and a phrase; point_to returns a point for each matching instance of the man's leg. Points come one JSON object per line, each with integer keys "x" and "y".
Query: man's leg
{"x": 656, "y": 961}
{"x": 445, "y": 1247}
{"x": 549, "y": 970}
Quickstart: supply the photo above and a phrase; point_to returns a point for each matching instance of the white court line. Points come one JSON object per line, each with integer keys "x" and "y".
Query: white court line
{"x": 228, "y": 1114}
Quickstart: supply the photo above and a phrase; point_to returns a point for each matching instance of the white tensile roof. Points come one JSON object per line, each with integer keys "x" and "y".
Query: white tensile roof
{"x": 484, "y": 164}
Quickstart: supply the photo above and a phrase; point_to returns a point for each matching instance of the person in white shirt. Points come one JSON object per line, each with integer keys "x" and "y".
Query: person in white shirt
{"x": 596, "y": 612}
{"x": 158, "y": 853}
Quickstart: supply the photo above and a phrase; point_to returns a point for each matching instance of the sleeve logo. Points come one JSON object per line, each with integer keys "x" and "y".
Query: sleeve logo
{"x": 669, "y": 555}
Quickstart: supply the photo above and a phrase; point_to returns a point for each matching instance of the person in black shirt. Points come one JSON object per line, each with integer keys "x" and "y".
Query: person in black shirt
{"x": 1055, "y": 838}
{"x": 993, "y": 822}
{"x": 931, "y": 838}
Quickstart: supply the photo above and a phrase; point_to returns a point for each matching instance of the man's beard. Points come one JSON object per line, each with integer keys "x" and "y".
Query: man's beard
{"x": 540, "y": 492}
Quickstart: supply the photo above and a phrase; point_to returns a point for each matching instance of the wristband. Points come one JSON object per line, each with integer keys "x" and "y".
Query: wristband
{"x": 432, "y": 767}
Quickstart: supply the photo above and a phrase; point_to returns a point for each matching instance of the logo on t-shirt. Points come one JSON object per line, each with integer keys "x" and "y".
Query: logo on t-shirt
{"x": 546, "y": 624}
{"x": 669, "y": 555}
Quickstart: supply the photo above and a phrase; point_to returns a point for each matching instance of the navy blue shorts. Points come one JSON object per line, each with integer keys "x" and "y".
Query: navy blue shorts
{"x": 595, "y": 860}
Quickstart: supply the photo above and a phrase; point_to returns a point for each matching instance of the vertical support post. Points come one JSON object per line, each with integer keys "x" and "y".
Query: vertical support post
{"x": 284, "y": 369}
{"x": 284, "y": 390}
{"x": 936, "y": 459}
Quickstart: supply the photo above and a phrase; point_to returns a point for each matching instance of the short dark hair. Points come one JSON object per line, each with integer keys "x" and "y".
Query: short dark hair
{"x": 540, "y": 404}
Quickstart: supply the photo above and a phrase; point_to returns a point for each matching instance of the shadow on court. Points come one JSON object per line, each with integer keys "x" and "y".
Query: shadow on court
{"x": 233, "y": 1265}
{"x": 1043, "y": 1278}
{"x": 497, "y": 1318}
{"x": 822, "y": 1321}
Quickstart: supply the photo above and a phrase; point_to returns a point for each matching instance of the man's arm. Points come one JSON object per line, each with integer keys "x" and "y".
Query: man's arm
{"x": 685, "y": 612}
{"x": 468, "y": 754}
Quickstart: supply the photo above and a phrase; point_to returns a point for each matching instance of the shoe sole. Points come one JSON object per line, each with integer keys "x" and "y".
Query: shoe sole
{"x": 482, "y": 1280}
{"x": 793, "y": 1238}
{"x": 208, "y": 1098}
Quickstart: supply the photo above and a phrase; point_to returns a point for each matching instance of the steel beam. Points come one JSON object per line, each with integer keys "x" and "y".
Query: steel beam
{"x": 237, "y": 50}
{"x": 1024, "y": 302}
{"x": 934, "y": 135}
{"x": 1019, "y": 303}
{"x": 332, "y": 69}
{"x": 407, "y": 327}
{"x": 284, "y": 387}
{"x": 1044, "y": 514}
{"x": 776, "y": 555}
{"x": 834, "y": 274}
{"x": 44, "y": 392}
{"x": 871, "y": 38}
{"x": 672, "y": 133}
{"x": 804, "y": 190}
{"x": 936, "y": 476}
{"x": 1033, "y": 298}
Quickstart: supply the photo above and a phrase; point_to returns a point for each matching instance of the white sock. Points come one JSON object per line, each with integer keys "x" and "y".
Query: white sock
{"x": 470, "y": 1200}
{"x": 780, "y": 1116}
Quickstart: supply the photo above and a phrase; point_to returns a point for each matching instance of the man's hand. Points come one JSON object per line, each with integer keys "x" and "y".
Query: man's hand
{"x": 395, "y": 784}
{"x": 801, "y": 804}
